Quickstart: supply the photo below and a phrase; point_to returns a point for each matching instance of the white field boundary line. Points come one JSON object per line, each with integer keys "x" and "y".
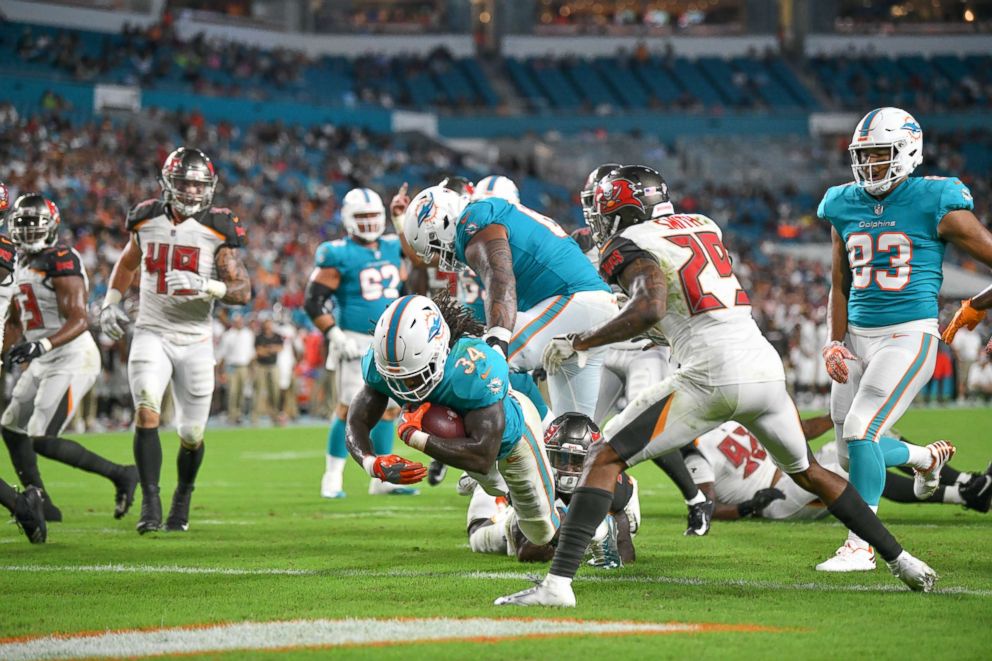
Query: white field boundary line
{"x": 296, "y": 634}
{"x": 585, "y": 577}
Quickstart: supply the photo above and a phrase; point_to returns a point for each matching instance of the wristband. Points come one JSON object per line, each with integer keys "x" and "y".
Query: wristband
{"x": 46, "y": 344}
{"x": 113, "y": 297}
{"x": 368, "y": 463}
{"x": 418, "y": 440}
{"x": 214, "y": 288}
{"x": 500, "y": 333}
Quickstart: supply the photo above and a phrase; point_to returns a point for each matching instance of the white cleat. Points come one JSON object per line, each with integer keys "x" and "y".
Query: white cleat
{"x": 466, "y": 485}
{"x": 915, "y": 573}
{"x": 331, "y": 487}
{"x": 379, "y": 488}
{"x": 850, "y": 557}
{"x": 925, "y": 482}
{"x": 545, "y": 593}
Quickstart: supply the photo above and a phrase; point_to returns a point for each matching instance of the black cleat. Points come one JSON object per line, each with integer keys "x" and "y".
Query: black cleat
{"x": 151, "y": 511}
{"x": 52, "y": 513}
{"x": 700, "y": 516}
{"x": 178, "y": 520}
{"x": 436, "y": 472}
{"x": 29, "y": 512}
{"x": 124, "y": 497}
{"x": 977, "y": 493}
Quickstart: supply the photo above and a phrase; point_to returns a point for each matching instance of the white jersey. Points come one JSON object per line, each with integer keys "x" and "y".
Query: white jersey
{"x": 181, "y": 317}
{"x": 708, "y": 314}
{"x": 740, "y": 465}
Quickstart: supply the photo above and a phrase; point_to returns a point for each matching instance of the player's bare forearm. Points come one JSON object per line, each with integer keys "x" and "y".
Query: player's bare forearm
{"x": 11, "y": 331}
{"x": 125, "y": 271}
{"x": 963, "y": 229}
{"x": 648, "y": 293}
{"x": 489, "y": 256}
{"x": 364, "y": 413}
{"x": 232, "y": 272}
{"x": 840, "y": 288}
{"x": 817, "y": 427}
{"x": 476, "y": 453}
{"x": 721, "y": 511}
{"x": 70, "y": 296}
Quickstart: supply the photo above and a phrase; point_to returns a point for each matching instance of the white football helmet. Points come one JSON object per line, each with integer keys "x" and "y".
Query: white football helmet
{"x": 429, "y": 226}
{"x": 410, "y": 347}
{"x": 496, "y": 186}
{"x": 363, "y": 214}
{"x": 886, "y": 128}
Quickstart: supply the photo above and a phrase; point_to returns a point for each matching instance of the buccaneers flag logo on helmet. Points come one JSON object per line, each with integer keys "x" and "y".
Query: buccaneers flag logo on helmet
{"x": 615, "y": 195}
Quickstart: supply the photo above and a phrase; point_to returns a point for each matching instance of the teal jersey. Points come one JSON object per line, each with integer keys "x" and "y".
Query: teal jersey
{"x": 546, "y": 262}
{"x": 893, "y": 248}
{"x": 524, "y": 384}
{"x": 475, "y": 376}
{"x": 370, "y": 279}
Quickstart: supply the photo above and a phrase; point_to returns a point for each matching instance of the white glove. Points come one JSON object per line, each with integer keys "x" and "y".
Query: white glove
{"x": 559, "y": 350}
{"x": 190, "y": 281}
{"x": 112, "y": 315}
{"x": 342, "y": 346}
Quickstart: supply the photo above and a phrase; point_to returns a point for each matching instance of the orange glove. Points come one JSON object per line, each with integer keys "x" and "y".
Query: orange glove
{"x": 412, "y": 421}
{"x": 834, "y": 355}
{"x": 395, "y": 469}
{"x": 965, "y": 316}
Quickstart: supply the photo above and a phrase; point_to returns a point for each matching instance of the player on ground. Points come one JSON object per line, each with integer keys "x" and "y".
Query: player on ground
{"x": 50, "y": 286}
{"x": 727, "y": 370}
{"x": 186, "y": 251}
{"x": 889, "y": 235}
{"x": 416, "y": 358}
{"x": 364, "y": 273}
{"x": 527, "y": 263}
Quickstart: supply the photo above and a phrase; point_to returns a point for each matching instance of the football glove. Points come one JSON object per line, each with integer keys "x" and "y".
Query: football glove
{"x": 341, "y": 346}
{"x": 412, "y": 420}
{"x": 757, "y": 504}
{"x": 499, "y": 338}
{"x": 965, "y": 316}
{"x": 559, "y": 350}
{"x": 395, "y": 469}
{"x": 112, "y": 320}
{"x": 188, "y": 281}
{"x": 834, "y": 355}
{"x": 29, "y": 351}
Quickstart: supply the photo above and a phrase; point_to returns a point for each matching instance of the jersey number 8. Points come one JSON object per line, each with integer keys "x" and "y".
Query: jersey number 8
{"x": 861, "y": 250}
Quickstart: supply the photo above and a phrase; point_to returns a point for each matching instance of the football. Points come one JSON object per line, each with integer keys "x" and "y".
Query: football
{"x": 443, "y": 422}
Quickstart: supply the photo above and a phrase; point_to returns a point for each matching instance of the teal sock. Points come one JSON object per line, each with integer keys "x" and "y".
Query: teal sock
{"x": 335, "y": 439}
{"x": 895, "y": 451}
{"x": 867, "y": 470}
{"x": 383, "y": 435}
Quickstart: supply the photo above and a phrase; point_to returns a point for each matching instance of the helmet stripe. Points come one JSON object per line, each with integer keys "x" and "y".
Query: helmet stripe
{"x": 394, "y": 327}
{"x": 365, "y": 192}
{"x": 866, "y": 123}
{"x": 492, "y": 184}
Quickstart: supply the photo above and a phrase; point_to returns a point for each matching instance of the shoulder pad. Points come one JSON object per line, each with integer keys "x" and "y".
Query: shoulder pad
{"x": 8, "y": 253}
{"x": 143, "y": 211}
{"x": 617, "y": 254}
{"x": 583, "y": 237}
{"x": 489, "y": 379}
{"x": 60, "y": 261}
{"x": 225, "y": 222}
{"x": 328, "y": 254}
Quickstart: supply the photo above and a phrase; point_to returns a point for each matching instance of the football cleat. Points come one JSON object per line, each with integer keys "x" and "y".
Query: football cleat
{"x": 436, "y": 472}
{"x": 124, "y": 497}
{"x": 545, "y": 593}
{"x": 605, "y": 553}
{"x": 151, "y": 511}
{"x": 700, "y": 516}
{"x": 915, "y": 573}
{"x": 977, "y": 493}
{"x": 330, "y": 486}
{"x": 29, "y": 512}
{"x": 849, "y": 557}
{"x": 379, "y": 488}
{"x": 178, "y": 520}
{"x": 52, "y": 513}
{"x": 466, "y": 485}
{"x": 925, "y": 482}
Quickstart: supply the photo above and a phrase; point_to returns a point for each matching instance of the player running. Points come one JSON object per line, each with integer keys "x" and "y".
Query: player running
{"x": 418, "y": 359}
{"x": 537, "y": 282}
{"x": 364, "y": 273}
{"x": 727, "y": 370}
{"x": 889, "y": 232}
{"x": 187, "y": 253}
{"x": 50, "y": 290}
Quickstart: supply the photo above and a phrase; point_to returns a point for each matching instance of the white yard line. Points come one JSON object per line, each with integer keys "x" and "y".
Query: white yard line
{"x": 585, "y": 577}
{"x": 327, "y": 633}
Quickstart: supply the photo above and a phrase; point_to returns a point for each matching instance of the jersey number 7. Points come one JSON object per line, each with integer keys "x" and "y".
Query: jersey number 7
{"x": 707, "y": 250}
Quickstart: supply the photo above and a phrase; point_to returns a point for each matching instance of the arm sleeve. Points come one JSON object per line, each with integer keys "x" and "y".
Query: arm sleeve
{"x": 618, "y": 254}
{"x": 954, "y": 196}
{"x": 316, "y": 298}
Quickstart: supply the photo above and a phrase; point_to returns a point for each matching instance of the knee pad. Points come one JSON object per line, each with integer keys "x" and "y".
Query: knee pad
{"x": 191, "y": 436}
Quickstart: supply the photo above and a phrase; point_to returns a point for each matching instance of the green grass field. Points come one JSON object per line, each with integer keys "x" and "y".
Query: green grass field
{"x": 263, "y": 546}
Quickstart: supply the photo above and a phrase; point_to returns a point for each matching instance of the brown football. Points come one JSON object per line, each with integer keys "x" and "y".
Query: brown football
{"x": 443, "y": 422}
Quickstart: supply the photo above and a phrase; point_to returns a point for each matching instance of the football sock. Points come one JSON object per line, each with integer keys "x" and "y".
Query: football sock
{"x": 8, "y": 497}
{"x": 896, "y": 452}
{"x": 335, "y": 439}
{"x": 148, "y": 456}
{"x": 867, "y": 470}
{"x": 187, "y": 465}
{"x": 900, "y": 489}
{"x": 23, "y": 456}
{"x": 73, "y": 454}
{"x": 586, "y": 511}
{"x": 950, "y": 476}
{"x": 950, "y": 494}
{"x": 335, "y": 464}
{"x": 383, "y": 435}
{"x": 674, "y": 467}
{"x": 852, "y": 511}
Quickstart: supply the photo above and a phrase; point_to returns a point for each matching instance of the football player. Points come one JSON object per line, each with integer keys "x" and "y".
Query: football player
{"x": 496, "y": 186}
{"x": 537, "y": 282}
{"x": 970, "y": 314}
{"x": 186, "y": 251}
{"x": 727, "y": 369}
{"x": 364, "y": 272}
{"x": 418, "y": 359}
{"x": 889, "y": 232}
{"x": 50, "y": 291}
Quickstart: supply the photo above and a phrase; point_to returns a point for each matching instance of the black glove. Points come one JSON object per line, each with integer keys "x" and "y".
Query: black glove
{"x": 759, "y": 502}
{"x": 26, "y": 351}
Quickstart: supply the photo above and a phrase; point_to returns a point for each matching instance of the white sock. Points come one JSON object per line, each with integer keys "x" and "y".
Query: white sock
{"x": 553, "y": 581}
{"x": 964, "y": 478}
{"x": 334, "y": 464}
{"x": 700, "y": 497}
{"x": 919, "y": 457}
{"x": 952, "y": 494}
